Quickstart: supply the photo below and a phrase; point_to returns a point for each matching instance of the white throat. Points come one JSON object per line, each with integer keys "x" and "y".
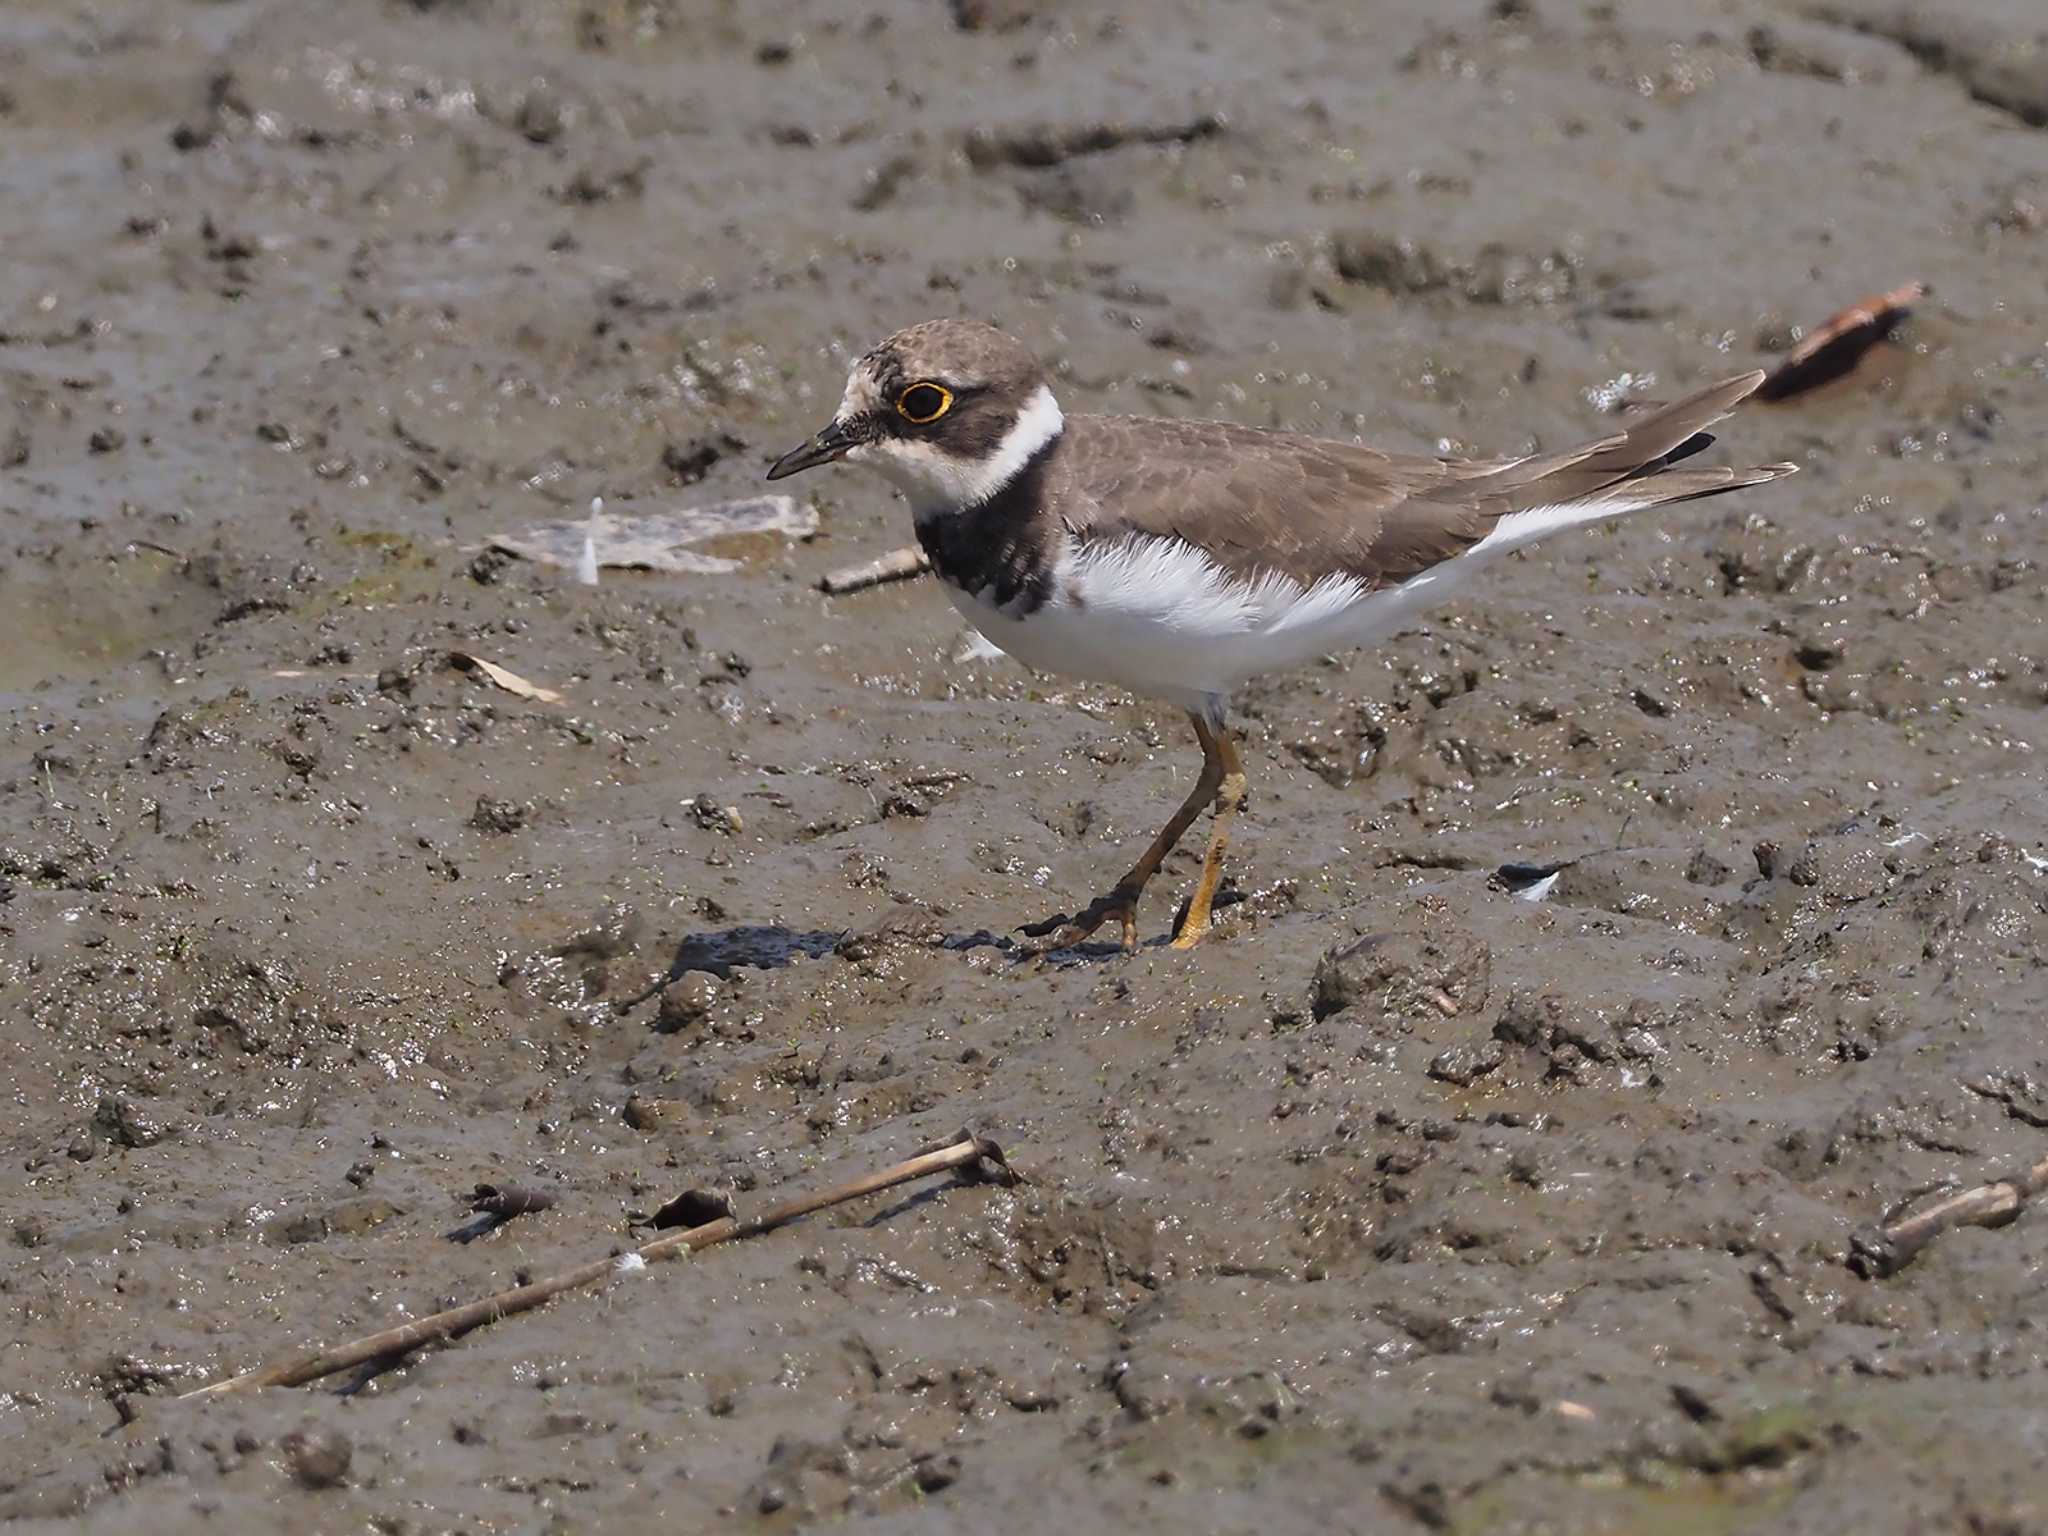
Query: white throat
{"x": 936, "y": 483}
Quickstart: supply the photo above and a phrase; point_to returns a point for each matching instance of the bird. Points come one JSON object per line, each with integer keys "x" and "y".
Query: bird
{"x": 1179, "y": 559}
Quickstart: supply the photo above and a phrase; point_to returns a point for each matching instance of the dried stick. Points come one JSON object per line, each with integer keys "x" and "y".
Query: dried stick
{"x": 897, "y": 565}
{"x": 982, "y": 1157}
{"x": 1890, "y": 1249}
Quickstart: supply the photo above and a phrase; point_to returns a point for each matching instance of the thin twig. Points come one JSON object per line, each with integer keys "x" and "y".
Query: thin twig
{"x": 982, "y": 1157}
{"x": 1891, "y": 1248}
{"x": 897, "y": 565}
{"x": 161, "y": 549}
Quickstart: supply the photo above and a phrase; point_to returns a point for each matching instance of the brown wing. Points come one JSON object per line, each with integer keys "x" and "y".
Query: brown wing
{"x": 1257, "y": 501}
{"x": 1309, "y": 507}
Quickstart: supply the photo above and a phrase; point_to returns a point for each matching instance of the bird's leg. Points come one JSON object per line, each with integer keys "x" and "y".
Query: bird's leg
{"x": 1230, "y": 797}
{"x": 1122, "y": 900}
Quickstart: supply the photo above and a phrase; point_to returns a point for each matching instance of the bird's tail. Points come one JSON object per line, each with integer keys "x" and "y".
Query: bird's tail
{"x": 1620, "y": 474}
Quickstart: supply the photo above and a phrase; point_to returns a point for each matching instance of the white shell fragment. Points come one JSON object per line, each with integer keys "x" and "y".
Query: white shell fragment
{"x": 503, "y": 677}
{"x": 660, "y": 541}
{"x": 586, "y": 564}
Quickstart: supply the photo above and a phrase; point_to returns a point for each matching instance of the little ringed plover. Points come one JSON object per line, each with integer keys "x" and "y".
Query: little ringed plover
{"x": 1179, "y": 558}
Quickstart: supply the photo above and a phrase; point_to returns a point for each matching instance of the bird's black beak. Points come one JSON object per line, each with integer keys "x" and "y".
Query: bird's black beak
{"x": 822, "y": 449}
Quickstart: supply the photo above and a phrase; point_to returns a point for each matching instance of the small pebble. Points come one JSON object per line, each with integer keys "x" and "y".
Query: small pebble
{"x": 317, "y": 1455}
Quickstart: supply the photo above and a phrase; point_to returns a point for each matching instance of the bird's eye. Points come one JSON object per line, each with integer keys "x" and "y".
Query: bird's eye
{"x": 922, "y": 404}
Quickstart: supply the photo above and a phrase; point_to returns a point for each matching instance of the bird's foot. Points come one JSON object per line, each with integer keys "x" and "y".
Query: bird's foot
{"x": 1196, "y": 920}
{"x": 1063, "y": 932}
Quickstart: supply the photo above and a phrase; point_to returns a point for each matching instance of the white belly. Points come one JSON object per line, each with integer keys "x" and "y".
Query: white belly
{"x": 1160, "y": 618}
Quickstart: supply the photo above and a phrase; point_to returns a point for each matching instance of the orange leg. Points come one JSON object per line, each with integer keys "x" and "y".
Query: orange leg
{"x": 1219, "y": 762}
{"x": 1231, "y": 791}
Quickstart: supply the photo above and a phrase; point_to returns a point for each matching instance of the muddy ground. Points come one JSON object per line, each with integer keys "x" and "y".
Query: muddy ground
{"x": 1407, "y": 1202}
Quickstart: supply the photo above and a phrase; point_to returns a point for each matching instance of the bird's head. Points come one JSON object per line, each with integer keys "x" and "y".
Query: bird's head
{"x": 949, "y": 411}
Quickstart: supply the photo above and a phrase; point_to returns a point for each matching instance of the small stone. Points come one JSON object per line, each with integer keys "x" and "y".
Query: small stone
{"x": 304, "y": 1227}
{"x": 1146, "y": 1391}
{"x": 937, "y": 1472}
{"x": 992, "y": 15}
{"x": 1387, "y": 263}
{"x": 686, "y": 1001}
{"x": 713, "y": 817}
{"x": 494, "y": 815}
{"x": 1441, "y": 972}
{"x": 687, "y": 463}
{"x": 1705, "y": 869}
{"x": 540, "y": 119}
{"x": 317, "y": 1455}
{"x": 1466, "y": 1064}
{"x": 1692, "y": 1402}
{"x": 128, "y": 1124}
{"x": 650, "y": 1114}
{"x": 1638, "y": 1044}
{"x": 1531, "y": 1018}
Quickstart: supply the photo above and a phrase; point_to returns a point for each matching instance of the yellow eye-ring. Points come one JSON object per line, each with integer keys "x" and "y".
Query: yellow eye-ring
{"x": 922, "y": 404}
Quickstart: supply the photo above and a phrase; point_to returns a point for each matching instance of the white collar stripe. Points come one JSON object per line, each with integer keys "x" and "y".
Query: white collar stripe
{"x": 1036, "y": 425}
{"x": 938, "y": 483}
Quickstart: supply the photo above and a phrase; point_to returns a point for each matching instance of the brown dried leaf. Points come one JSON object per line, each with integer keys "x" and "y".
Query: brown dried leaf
{"x": 1834, "y": 346}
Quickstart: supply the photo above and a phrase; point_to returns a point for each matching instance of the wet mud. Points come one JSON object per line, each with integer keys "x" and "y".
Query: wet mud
{"x": 1611, "y": 951}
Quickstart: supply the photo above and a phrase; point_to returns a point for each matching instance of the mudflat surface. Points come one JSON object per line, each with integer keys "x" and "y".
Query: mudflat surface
{"x": 1409, "y": 1201}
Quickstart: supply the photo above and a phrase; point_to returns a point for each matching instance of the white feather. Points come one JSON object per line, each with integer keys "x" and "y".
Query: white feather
{"x": 1520, "y": 528}
{"x": 973, "y": 646}
{"x": 586, "y": 563}
{"x": 1158, "y": 616}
